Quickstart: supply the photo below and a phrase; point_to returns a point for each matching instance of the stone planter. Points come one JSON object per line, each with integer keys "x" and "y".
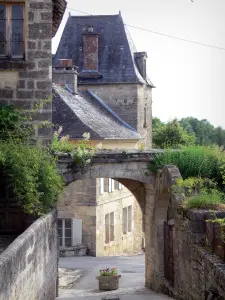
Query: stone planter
{"x": 108, "y": 283}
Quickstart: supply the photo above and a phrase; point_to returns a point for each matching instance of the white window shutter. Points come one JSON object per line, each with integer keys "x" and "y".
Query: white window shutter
{"x": 101, "y": 186}
{"x": 110, "y": 185}
{"x": 113, "y": 185}
{"x": 120, "y": 186}
{"x": 77, "y": 232}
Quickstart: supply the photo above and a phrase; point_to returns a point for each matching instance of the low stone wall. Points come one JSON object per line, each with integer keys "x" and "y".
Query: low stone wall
{"x": 198, "y": 273}
{"x": 28, "y": 267}
{"x": 79, "y": 250}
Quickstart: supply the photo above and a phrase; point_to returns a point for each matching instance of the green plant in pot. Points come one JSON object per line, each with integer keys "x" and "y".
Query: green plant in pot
{"x": 108, "y": 279}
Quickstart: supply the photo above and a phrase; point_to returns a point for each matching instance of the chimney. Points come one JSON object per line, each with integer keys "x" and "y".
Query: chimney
{"x": 90, "y": 54}
{"x": 140, "y": 59}
{"x": 65, "y": 73}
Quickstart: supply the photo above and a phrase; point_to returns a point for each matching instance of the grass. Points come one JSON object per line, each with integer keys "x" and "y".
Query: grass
{"x": 213, "y": 199}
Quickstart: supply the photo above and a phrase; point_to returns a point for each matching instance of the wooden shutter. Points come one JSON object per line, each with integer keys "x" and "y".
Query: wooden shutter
{"x": 77, "y": 232}
{"x": 112, "y": 226}
{"x": 107, "y": 239}
{"x": 129, "y": 218}
{"x": 124, "y": 220}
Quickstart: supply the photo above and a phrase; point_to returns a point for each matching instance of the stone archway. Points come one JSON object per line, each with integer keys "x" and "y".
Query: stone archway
{"x": 152, "y": 193}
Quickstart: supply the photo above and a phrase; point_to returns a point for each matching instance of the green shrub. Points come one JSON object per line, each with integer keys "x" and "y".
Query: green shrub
{"x": 193, "y": 185}
{"x": 196, "y": 161}
{"x": 81, "y": 153}
{"x": 205, "y": 199}
{"x": 32, "y": 173}
{"x": 13, "y": 125}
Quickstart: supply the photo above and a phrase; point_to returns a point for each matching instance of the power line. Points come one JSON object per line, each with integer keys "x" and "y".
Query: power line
{"x": 161, "y": 34}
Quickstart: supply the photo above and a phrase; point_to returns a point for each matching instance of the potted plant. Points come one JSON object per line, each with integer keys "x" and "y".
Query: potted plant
{"x": 108, "y": 279}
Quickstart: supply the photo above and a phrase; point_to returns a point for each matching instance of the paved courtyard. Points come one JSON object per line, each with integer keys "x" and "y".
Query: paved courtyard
{"x": 132, "y": 269}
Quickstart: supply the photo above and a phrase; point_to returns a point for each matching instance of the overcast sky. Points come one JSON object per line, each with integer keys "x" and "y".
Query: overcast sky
{"x": 189, "y": 78}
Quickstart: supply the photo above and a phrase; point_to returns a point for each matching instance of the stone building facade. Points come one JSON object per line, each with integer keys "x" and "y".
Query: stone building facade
{"x": 91, "y": 204}
{"x": 111, "y": 78}
{"x": 26, "y": 30}
{"x": 25, "y": 55}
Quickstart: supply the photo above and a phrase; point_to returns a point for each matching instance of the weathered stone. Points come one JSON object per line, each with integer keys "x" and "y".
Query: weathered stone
{"x": 28, "y": 255}
{"x": 24, "y": 94}
{"x": 6, "y": 94}
{"x": 30, "y": 84}
{"x": 21, "y": 84}
{"x": 39, "y": 31}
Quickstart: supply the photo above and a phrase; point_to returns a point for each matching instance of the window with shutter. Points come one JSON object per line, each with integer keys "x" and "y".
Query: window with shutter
{"x": 12, "y": 30}
{"x": 109, "y": 227}
{"x": 127, "y": 219}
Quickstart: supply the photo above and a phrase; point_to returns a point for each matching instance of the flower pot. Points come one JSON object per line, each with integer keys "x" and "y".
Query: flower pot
{"x": 108, "y": 283}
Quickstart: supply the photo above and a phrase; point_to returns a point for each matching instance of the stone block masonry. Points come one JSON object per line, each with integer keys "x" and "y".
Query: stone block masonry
{"x": 28, "y": 267}
{"x": 24, "y": 82}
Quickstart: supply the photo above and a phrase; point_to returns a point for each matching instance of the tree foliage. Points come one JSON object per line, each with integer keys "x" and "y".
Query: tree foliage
{"x": 192, "y": 131}
{"x": 171, "y": 135}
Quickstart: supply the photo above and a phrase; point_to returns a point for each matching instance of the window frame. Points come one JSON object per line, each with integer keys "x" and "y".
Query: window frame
{"x": 63, "y": 232}
{"x": 8, "y": 28}
{"x": 127, "y": 222}
{"x": 109, "y": 228}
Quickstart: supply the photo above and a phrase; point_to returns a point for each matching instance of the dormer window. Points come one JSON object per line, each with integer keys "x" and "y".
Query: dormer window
{"x": 90, "y": 28}
{"x": 12, "y": 30}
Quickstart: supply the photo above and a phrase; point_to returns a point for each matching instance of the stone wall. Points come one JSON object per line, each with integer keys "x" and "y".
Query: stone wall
{"x": 28, "y": 267}
{"x": 198, "y": 273}
{"x": 24, "y": 82}
{"x": 188, "y": 269}
{"x": 129, "y": 102}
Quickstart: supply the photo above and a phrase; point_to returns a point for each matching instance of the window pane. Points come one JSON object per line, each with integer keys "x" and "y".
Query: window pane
{"x": 68, "y": 223}
{"x": 68, "y": 242}
{"x": 2, "y": 37}
{"x": 112, "y": 226}
{"x": 68, "y": 233}
{"x": 60, "y": 232}
{"x": 17, "y": 43}
{"x": 60, "y": 242}
{"x": 17, "y": 11}
{"x": 2, "y": 29}
{"x": 59, "y": 223}
{"x": 2, "y": 12}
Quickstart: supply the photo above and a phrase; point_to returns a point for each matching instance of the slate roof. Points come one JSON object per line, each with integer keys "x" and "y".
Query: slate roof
{"x": 58, "y": 9}
{"x": 86, "y": 112}
{"x": 116, "y": 49}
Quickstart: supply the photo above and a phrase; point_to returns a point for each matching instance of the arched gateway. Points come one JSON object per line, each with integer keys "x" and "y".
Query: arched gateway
{"x": 152, "y": 192}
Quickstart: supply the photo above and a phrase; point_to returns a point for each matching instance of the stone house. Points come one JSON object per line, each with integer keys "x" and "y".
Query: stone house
{"x": 110, "y": 96}
{"x": 26, "y": 31}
